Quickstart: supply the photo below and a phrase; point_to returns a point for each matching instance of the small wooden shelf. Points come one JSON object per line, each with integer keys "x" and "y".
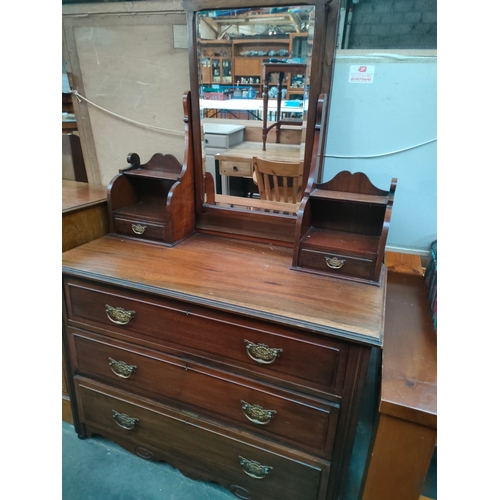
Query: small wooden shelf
{"x": 150, "y": 202}
{"x": 342, "y": 228}
{"x": 152, "y": 174}
{"x": 326, "y": 240}
{"x": 350, "y": 197}
{"x": 142, "y": 210}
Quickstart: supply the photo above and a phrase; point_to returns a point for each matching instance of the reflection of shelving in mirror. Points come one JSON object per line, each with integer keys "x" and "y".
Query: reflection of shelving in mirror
{"x": 343, "y": 228}
{"x": 237, "y": 42}
{"x": 143, "y": 200}
{"x": 253, "y": 37}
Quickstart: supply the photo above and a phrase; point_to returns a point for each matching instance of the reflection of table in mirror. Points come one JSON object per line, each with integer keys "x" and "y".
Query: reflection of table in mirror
{"x": 236, "y": 163}
{"x": 250, "y": 109}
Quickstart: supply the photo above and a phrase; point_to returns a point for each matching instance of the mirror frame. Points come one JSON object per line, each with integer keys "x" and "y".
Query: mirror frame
{"x": 246, "y": 224}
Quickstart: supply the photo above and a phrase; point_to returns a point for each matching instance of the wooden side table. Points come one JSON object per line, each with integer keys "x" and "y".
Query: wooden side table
{"x": 405, "y": 436}
{"x": 84, "y": 218}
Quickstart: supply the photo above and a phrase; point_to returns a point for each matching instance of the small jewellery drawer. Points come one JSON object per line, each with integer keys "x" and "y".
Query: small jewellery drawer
{"x": 336, "y": 263}
{"x": 313, "y": 363}
{"x": 275, "y": 413}
{"x": 241, "y": 168}
{"x": 139, "y": 229}
{"x": 260, "y": 469}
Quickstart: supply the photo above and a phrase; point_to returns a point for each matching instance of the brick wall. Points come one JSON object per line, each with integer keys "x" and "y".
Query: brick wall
{"x": 392, "y": 24}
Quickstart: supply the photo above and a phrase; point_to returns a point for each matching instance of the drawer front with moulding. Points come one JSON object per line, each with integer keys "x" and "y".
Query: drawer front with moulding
{"x": 139, "y": 229}
{"x": 245, "y": 403}
{"x": 336, "y": 263}
{"x": 314, "y": 364}
{"x": 262, "y": 470}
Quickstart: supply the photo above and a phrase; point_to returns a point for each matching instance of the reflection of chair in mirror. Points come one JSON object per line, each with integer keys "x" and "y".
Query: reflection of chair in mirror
{"x": 279, "y": 181}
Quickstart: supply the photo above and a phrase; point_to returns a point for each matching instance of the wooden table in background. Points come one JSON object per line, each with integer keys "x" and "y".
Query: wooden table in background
{"x": 404, "y": 439}
{"x": 84, "y": 213}
{"x": 84, "y": 218}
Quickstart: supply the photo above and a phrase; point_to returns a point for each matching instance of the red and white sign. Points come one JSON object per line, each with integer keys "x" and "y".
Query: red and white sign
{"x": 361, "y": 74}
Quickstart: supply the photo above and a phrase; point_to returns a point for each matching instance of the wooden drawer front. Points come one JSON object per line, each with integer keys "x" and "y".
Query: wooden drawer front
{"x": 241, "y": 168}
{"x": 313, "y": 363}
{"x": 214, "y": 449}
{"x": 289, "y": 417}
{"x": 352, "y": 266}
{"x": 133, "y": 228}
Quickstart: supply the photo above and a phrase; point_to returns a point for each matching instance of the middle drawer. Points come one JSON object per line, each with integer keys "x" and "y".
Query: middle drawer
{"x": 282, "y": 415}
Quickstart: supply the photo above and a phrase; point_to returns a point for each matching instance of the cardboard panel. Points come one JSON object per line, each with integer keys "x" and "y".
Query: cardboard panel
{"x": 127, "y": 65}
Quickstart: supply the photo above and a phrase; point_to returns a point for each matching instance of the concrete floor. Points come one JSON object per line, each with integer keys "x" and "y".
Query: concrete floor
{"x": 98, "y": 469}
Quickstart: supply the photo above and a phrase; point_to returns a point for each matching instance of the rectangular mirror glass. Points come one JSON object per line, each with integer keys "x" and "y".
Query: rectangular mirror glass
{"x": 254, "y": 67}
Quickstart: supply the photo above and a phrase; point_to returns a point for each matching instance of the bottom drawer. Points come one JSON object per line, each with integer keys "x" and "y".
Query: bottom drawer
{"x": 339, "y": 264}
{"x": 236, "y": 460}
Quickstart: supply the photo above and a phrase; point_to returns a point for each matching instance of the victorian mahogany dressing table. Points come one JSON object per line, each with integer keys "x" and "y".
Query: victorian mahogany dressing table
{"x": 190, "y": 338}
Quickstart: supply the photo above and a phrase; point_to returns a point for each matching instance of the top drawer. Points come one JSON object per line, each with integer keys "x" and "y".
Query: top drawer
{"x": 314, "y": 363}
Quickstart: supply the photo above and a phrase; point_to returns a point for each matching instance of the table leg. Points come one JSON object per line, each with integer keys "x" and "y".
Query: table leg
{"x": 278, "y": 106}
{"x": 265, "y": 94}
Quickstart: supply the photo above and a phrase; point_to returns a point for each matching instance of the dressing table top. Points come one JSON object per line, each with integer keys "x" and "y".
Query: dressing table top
{"x": 241, "y": 277}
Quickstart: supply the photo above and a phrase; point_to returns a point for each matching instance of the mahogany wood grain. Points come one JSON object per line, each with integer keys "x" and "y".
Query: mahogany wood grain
{"x": 257, "y": 281}
{"x": 199, "y": 301}
{"x": 346, "y": 218}
{"x": 406, "y": 434}
{"x": 161, "y": 433}
{"x": 301, "y": 421}
{"x": 306, "y": 362}
{"x": 161, "y": 191}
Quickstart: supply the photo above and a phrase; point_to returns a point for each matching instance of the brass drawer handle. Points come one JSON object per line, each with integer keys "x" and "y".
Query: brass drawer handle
{"x": 124, "y": 421}
{"x": 257, "y": 414}
{"x": 121, "y": 369}
{"x": 334, "y": 262}
{"x": 254, "y": 469}
{"x": 138, "y": 229}
{"x": 261, "y": 353}
{"x": 118, "y": 315}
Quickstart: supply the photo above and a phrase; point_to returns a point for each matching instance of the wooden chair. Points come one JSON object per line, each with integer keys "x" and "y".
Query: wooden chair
{"x": 278, "y": 181}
